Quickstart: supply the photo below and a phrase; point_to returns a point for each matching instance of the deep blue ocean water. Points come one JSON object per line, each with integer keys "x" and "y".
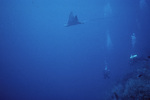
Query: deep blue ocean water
{"x": 40, "y": 59}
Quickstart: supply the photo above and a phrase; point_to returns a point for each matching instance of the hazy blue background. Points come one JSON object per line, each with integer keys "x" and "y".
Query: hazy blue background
{"x": 40, "y": 59}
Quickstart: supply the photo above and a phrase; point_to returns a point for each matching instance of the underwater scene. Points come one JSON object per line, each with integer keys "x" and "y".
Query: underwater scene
{"x": 74, "y": 49}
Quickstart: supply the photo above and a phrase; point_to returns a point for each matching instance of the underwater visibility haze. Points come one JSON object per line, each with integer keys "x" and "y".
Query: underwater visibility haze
{"x": 74, "y": 50}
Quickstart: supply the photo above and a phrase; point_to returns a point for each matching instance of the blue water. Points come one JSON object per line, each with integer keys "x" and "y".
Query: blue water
{"x": 40, "y": 59}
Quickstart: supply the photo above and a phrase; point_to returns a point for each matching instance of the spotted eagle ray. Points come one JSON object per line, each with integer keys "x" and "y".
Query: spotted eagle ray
{"x": 73, "y": 20}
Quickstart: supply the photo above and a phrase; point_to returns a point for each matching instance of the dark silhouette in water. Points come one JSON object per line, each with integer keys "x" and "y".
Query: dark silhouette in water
{"x": 73, "y": 20}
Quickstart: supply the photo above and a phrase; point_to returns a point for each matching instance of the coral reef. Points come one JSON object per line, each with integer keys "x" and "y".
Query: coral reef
{"x": 135, "y": 86}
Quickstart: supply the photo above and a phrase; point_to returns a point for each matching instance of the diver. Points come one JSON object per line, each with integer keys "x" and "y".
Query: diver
{"x": 133, "y": 38}
{"x": 133, "y": 59}
{"x": 139, "y": 61}
{"x": 106, "y": 73}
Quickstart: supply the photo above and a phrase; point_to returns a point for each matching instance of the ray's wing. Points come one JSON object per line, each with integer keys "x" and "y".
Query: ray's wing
{"x": 76, "y": 19}
{"x": 71, "y": 18}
